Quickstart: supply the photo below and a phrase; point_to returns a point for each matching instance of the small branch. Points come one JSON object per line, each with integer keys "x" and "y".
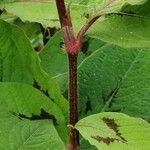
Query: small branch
{"x": 91, "y": 21}
{"x": 86, "y": 26}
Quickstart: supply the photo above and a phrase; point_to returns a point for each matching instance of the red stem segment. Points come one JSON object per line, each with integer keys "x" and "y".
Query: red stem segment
{"x": 72, "y": 46}
{"x": 73, "y": 116}
{"x": 63, "y": 14}
{"x": 66, "y": 26}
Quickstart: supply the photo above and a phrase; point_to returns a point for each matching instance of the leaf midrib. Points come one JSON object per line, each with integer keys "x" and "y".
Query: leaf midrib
{"x": 29, "y": 138}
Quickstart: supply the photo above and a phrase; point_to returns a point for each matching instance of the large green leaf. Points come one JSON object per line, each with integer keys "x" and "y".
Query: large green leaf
{"x": 115, "y": 79}
{"x": 31, "y": 135}
{"x": 133, "y": 93}
{"x": 126, "y": 28}
{"x": 22, "y": 100}
{"x": 20, "y": 63}
{"x": 41, "y": 135}
{"x": 123, "y": 30}
{"x": 43, "y": 12}
{"x": 115, "y": 131}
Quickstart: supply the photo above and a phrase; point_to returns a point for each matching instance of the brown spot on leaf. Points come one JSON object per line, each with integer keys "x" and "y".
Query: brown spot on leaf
{"x": 112, "y": 125}
{"x": 106, "y": 140}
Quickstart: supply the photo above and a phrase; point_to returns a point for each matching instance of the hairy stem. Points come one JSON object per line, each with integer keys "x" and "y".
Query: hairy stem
{"x": 66, "y": 25}
{"x": 64, "y": 16}
{"x": 73, "y": 101}
{"x": 72, "y": 47}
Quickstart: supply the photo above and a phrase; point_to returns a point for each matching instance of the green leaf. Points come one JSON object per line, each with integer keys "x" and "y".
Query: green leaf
{"x": 115, "y": 79}
{"x": 43, "y": 12}
{"x": 133, "y": 93}
{"x": 112, "y": 131}
{"x": 33, "y": 135}
{"x": 22, "y": 100}
{"x": 126, "y": 28}
{"x": 123, "y": 30}
{"x": 20, "y": 63}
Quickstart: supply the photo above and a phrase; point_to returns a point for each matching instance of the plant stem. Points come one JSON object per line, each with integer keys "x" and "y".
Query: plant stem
{"x": 64, "y": 17}
{"x": 73, "y": 96}
{"x": 72, "y": 47}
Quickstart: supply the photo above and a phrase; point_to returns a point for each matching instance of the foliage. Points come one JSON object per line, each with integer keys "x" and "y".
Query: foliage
{"x": 113, "y": 75}
{"x": 106, "y": 26}
{"x": 111, "y": 131}
{"x": 21, "y": 114}
{"x": 20, "y": 63}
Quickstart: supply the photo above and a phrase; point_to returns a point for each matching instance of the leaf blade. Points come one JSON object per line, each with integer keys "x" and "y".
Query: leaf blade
{"x": 20, "y": 63}
{"x": 24, "y": 101}
{"x": 110, "y": 131}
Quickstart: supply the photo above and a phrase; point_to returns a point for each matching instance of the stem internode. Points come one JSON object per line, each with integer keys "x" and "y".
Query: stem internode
{"x": 73, "y": 102}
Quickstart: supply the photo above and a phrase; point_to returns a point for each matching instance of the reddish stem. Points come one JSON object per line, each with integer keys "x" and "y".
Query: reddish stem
{"x": 63, "y": 14}
{"x": 73, "y": 102}
{"x": 72, "y": 47}
{"x": 70, "y": 42}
